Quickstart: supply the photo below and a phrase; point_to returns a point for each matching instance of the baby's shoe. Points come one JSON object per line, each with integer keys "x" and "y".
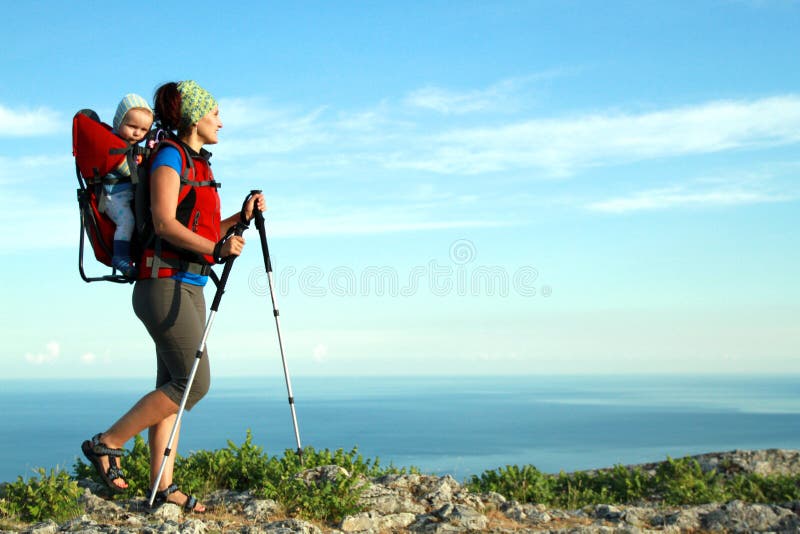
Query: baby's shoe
{"x": 124, "y": 265}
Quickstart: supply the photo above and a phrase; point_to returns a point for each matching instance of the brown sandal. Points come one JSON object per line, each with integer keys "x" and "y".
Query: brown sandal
{"x": 188, "y": 506}
{"x": 94, "y": 449}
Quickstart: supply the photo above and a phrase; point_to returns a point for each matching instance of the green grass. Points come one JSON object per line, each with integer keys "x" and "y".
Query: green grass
{"x": 246, "y": 467}
{"x": 52, "y": 495}
{"x": 675, "y": 482}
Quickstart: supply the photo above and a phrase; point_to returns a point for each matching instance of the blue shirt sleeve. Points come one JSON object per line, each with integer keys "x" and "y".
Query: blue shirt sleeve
{"x": 167, "y": 156}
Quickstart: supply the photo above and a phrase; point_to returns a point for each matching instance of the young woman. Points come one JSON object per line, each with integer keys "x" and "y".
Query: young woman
{"x": 168, "y": 295}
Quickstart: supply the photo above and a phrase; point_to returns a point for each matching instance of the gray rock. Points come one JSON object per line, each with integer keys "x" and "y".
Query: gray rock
{"x": 641, "y": 517}
{"x": 100, "y": 508}
{"x": 407, "y": 482}
{"x": 290, "y": 526}
{"x": 462, "y": 516}
{"x": 363, "y": 522}
{"x": 134, "y": 521}
{"x": 322, "y": 474}
{"x": 737, "y": 516}
{"x": 429, "y": 524}
{"x": 227, "y": 499}
{"x": 607, "y": 512}
{"x": 83, "y": 523}
{"x": 261, "y": 509}
{"x": 516, "y": 511}
{"x": 193, "y": 526}
{"x": 47, "y": 527}
{"x": 374, "y": 522}
{"x": 684, "y": 519}
{"x": 493, "y": 499}
{"x": 441, "y": 491}
{"x": 167, "y": 512}
{"x": 397, "y": 521}
{"x": 169, "y": 527}
{"x": 388, "y": 500}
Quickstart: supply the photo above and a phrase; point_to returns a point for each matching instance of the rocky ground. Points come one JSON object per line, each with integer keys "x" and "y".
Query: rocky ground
{"x": 430, "y": 504}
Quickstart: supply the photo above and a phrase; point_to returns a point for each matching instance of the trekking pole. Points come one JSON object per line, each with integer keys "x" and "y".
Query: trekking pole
{"x": 237, "y": 229}
{"x": 259, "y": 218}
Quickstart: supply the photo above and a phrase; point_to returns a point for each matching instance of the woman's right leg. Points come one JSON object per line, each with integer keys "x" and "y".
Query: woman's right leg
{"x": 150, "y": 410}
{"x": 153, "y": 408}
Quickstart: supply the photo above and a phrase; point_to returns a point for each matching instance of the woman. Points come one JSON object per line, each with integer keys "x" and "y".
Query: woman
{"x": 168, "y": 295}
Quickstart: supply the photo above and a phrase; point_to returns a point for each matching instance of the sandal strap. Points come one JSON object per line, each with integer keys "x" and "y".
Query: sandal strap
{"x": 166, "y": 492}
{"x": 115, "y": 472}
{"x": 191, "y": 502}
{"x": 161, "y": 497}
{"x": 101, "y": 449}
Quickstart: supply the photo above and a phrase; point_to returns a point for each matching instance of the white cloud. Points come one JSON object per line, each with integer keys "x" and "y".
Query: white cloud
{"x": 320, "y": 353}
{"x": 52, "y": 350}
{"x": 88, "y": 358}
{"x": 28, "y": 123}
{"x": 454, "y": 103}
{"x": 563, "y": 145}
{"x": 766, "y": 4}
{"x": 680, "y": 197}
{"x": 258, "y": 128}
{"x": 385, "y": 138}
{"x": 502, "y": 96}
{"x": 56, "y": 224}
{"x": 36, "y": 169}
{"x": 317, "y": 218}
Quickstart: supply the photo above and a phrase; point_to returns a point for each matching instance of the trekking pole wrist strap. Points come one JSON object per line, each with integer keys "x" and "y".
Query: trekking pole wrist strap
{"x": 245, "y": 220}
{"x": 237, "y": 229}
{"x": 217, "y": 253}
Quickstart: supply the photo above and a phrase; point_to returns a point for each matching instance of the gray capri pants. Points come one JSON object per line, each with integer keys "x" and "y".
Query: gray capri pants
{"x": 174, "y": 314}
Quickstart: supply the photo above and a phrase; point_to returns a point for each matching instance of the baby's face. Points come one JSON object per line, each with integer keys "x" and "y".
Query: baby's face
{"x": 135, "y": 125}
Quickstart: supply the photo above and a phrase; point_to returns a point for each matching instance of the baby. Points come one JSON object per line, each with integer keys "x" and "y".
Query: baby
{"x": 132, "y": 121}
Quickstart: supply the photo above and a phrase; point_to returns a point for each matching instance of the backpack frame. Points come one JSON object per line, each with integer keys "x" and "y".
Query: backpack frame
{"x": 98, "y": 152}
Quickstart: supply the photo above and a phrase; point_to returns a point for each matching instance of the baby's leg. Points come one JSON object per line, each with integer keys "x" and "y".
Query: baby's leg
{"x": 118, "y": 208}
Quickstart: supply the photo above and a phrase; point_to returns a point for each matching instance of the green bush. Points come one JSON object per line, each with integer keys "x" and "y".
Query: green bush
{"x": 330, "y": 500}
{"x": 526, "y": 484}
{"x": 675, "y": 482}
{"x": 684, "y": 482}
{"x": 771, "y": 489}
{"x": 325, "y": 500}
{"x": 46, "y": 496}
{"x": 247, "y": 467}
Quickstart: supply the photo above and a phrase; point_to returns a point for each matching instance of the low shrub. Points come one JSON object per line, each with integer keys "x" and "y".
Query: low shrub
{"x": 675, "y": 482}
{"x": 247, "y": 467}
{"x": 52, "y": 495}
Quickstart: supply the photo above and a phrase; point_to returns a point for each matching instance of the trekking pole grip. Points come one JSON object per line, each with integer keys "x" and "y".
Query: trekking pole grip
{"x": 262, "y": 233}
{"x": 259, "y": 217}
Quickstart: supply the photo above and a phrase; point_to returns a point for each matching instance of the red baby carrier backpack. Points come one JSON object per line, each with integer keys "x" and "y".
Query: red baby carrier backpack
{"x": 98, "y": 152}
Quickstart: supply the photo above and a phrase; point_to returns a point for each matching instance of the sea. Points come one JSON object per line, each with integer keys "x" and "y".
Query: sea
{"x": 457, "y": 425}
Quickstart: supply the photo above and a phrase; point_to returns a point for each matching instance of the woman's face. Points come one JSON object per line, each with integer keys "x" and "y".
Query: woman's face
{"x": 208, "y": 126}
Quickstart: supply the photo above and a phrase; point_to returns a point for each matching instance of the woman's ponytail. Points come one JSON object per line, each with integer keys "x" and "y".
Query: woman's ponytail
{"x": 167, "y": 105}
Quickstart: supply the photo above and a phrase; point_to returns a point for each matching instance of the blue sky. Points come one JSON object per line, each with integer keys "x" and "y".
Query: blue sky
{"x": 453, "y": 187}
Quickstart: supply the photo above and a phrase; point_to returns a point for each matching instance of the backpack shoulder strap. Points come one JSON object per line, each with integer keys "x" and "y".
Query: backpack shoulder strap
{"x": 187, "y": 165}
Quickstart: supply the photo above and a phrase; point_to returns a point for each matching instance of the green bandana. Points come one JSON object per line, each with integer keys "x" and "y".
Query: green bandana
{"x": 196, "y": 102}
